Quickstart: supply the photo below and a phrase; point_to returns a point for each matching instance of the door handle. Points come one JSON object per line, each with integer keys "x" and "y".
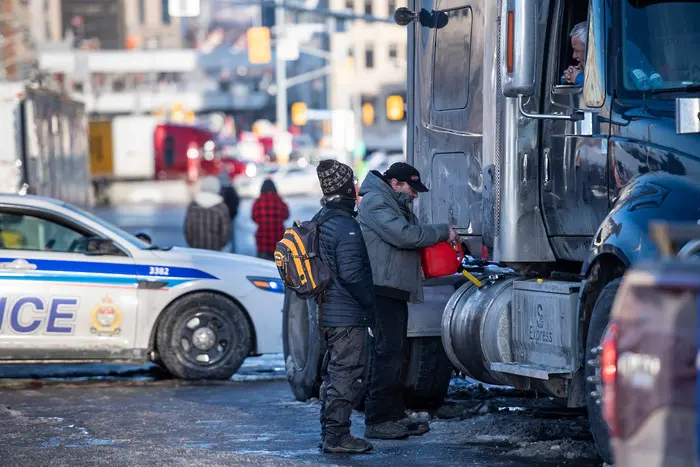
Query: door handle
{"x": 18, "y": 265}
{"x": 547, "y": 170}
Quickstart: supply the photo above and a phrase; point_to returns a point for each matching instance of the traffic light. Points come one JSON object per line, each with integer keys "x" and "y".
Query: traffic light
{"x": 259, "y": 51}
{"x": 394, "y": 108}
{"x": 299, "y": 114}
{"x": 367, "y": 114}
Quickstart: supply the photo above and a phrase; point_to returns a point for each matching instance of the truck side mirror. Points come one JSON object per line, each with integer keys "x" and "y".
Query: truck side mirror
{"x": 687, "y": 115}
{"x": 594, "y": 90}
{"x": 403, "y": 16}
{"x": 518, "y": 48}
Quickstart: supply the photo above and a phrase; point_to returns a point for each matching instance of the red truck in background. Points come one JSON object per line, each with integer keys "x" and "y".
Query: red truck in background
{"x": 184, "y": 150}
{"x": 191, "y": 152}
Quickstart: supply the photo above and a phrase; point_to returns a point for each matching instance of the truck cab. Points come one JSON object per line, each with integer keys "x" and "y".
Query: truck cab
{"x": 558, "y": 181}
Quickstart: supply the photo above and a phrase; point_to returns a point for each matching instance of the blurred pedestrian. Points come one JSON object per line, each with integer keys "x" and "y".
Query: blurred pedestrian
{"x": 345, "y": 310}
{"x": 207, "y": 220}
{"x": 394, "y": 238}
{"x": 269, "y": 212}
{"x": 230, "y": 196}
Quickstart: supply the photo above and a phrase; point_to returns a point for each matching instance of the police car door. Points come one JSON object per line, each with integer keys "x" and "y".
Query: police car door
{"x": 57, "y": 302}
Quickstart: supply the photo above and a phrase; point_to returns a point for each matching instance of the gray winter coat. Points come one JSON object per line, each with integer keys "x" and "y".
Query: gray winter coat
{"x": 393, "y": 236}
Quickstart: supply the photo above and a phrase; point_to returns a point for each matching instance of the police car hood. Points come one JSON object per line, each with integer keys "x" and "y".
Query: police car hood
{"x": 204, "y": 258}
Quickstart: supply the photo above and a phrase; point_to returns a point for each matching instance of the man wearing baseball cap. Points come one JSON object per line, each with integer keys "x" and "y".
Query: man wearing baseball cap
{"x": 394, "y": 239}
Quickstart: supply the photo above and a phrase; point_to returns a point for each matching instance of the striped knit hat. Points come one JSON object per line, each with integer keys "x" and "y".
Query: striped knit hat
{"x": 336, "y": 178}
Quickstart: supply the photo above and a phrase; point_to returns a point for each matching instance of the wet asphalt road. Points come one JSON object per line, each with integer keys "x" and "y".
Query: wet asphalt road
{"x": 144, "y": 418}
{"x": 116, "y": 415}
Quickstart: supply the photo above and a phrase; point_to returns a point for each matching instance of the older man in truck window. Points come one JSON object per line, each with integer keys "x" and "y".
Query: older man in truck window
{"x": 574, "y": 74}
{"x": 394, "y": 238}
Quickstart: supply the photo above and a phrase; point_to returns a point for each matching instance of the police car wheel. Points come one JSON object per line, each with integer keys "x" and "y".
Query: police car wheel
{"x": 203, "y": 336}
{"x": 599, "y": 321}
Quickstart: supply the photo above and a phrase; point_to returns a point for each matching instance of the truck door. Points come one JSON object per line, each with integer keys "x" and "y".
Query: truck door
{"x": 446, "y": 114}
{"x": 574, "y": 154}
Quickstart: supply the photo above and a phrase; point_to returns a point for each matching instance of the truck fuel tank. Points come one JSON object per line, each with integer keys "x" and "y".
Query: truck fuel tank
{"x": 513, "y": 330}
{"x": 476, "y": 329}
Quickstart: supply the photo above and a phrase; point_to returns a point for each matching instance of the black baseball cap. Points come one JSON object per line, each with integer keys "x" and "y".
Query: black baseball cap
{"x": 403, "y": 172}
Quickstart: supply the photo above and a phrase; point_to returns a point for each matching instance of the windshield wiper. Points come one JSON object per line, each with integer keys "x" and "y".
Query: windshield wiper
{"x": 688, "y": 88}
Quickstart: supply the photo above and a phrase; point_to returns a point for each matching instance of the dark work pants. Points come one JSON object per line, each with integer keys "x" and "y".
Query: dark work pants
{"x": 385, "y": 399}
{"x": 343, "y": 379}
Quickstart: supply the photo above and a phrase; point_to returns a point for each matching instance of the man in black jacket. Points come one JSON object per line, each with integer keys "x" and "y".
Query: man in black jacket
{"x": 346, "y": 309}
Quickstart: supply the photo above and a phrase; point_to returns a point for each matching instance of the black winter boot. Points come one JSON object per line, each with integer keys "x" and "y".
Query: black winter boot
{"x": 348, "y": 444}
{"x": 414, "y": 427}
{"x": 386, "y": 430}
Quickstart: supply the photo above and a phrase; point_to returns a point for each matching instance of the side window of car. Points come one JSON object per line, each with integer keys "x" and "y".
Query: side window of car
{"x": 28, "y": 232}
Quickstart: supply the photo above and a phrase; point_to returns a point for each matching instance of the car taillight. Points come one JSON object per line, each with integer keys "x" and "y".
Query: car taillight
{"x": 608, "y": 370}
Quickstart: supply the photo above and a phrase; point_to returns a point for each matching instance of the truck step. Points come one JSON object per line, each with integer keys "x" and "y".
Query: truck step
{"x": 529, "y": 370}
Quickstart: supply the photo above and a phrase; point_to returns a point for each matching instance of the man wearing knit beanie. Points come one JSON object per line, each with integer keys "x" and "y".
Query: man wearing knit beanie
{"x": 346, "y": 309}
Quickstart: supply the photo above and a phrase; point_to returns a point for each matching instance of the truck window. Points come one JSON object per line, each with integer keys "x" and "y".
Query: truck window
{"x": 660, "y": 42}
{"x": 169, "y": 151}
{"x": 452, "y": 59}
{"x": 574, "y": 12}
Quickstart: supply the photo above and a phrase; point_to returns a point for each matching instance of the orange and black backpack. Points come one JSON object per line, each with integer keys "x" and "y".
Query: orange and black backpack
{"x": 298, "y": 259}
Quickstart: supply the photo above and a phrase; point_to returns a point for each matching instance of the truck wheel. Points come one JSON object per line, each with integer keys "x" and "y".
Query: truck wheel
{"x": 303, "y": 353}
{"x": 427, "y": 373}
{"x": 203, "y": 336}
{"x": 596, "y": 328}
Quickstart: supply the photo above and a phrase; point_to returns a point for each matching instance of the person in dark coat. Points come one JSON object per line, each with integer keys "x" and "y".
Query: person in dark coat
{"x": 230, "y": 196}
{"x": 207, "y": 221}
{"x": 345, "y": 310}
{"x": 269, "y": 212}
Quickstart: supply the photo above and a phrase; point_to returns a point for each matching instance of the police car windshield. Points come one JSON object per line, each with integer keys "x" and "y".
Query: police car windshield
{"x": 137, "y": 242}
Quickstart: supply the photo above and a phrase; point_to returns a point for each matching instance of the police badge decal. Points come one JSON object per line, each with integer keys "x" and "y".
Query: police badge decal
{"x": 106, "y": 318}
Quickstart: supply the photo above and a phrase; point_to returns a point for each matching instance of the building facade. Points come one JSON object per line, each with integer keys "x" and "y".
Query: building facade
{"x": 376, "y": 52}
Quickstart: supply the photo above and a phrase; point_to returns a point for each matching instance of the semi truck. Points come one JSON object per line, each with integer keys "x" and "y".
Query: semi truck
{"x": 139, "y": 148}
{"x": 121, "y": 150}
{"x": 555, "y": 183}
{"x": 45, "y": 144}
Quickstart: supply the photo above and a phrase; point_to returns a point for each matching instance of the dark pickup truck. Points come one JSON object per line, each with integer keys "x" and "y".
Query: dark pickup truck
{"x": 647, "y": 360}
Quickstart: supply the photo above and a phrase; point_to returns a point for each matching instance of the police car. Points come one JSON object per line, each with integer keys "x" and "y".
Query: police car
{"x": 76, "y": 288}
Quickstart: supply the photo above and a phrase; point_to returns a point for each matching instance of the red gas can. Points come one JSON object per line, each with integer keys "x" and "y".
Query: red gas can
{"x": 441, "y": 259}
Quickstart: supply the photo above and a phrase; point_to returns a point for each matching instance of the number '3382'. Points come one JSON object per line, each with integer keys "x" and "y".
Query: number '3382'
{"x": 159, "y": 271}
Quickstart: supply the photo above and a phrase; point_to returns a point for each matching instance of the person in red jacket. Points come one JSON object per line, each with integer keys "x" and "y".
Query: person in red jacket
{"x": 269, "y": 212}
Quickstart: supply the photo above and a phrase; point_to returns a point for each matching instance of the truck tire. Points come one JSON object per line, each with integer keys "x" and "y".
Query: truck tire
{"x": 203, "y": 336}
{"x": 599, "y": 321}
{"x": 303, "y": 352}
{"x": 427, "y": 373}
